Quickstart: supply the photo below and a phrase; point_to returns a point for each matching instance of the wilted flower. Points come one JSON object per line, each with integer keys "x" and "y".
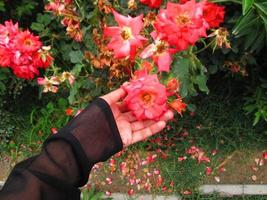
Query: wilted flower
{"x": 178, "y": 105}
{"x": 49, "y": 84}
{"x": 221, "y": 38}
{"x": 173, "y": 86}
{"x": 132, "y": 4}
{"x": 67, "y": 76}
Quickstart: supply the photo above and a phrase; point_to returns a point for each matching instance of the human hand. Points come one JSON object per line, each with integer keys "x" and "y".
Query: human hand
{"x": 131, "y": 130}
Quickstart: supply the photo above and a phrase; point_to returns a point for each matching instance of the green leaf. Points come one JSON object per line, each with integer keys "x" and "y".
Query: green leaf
{"x": 202, "y": 83}
{"x": 2, "y": 6}
{"x": 181, "y": 71}
{"x": 37, "y": 26}
{"x": 262, "y": 7}
{"x": 2, "y": 87}
{"x": 212, "y": 69}
{"x": 50, "y": 107}
{"x": 62, "y": 103}
{"x": 76, "y": 69}
{"x": 73, "y": 92}
{"x": 191, "y": 107}
{"x": 76, "y": 56}
{"x": 243, "y": 22}
{"x": 44, "y": 19}
{"x": 257, "y": 118}
{"x": 246, "y": 5}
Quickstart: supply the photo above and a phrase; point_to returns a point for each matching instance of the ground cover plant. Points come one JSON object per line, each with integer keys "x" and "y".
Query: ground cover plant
{"x": 203, "y": 59}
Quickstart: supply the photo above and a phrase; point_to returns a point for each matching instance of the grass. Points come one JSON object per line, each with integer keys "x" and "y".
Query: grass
{"x": 22, "y": 133}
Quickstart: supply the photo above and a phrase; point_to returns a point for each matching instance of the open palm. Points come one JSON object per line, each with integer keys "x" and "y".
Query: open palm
{"x": 131, "y": 130}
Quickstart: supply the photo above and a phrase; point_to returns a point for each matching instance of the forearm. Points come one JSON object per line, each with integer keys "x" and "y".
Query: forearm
{"x": 66, "y": 158}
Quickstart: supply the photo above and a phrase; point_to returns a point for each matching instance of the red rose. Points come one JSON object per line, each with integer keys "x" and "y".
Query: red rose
{"x": 152, "y": 3}
{"x": 213, "y": 14}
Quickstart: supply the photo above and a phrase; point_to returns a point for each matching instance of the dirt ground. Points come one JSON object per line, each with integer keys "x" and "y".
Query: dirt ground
{"x": 243, "y": 168}
{"x": 240, "y": 168}
{"x": 5, "y": 166}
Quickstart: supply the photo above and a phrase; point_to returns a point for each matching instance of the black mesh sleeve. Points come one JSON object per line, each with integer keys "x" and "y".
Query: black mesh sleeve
{"x": 66, "y": 158}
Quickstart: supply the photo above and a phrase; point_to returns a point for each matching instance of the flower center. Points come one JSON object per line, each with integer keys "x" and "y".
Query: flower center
{"x": 183, "y": 19}
{"x": 161, "y": 46}
{"x": 147, "y": 98}
{"x": 126, "y": 33}
{"x": 28, "y": 42}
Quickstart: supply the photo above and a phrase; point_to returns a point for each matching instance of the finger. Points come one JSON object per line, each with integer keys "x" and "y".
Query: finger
{"x": 139, "y": 125}
{"x": 129, "y": 116}
{"x": 149, "y": 131}
{"x": 167, "y": 116}
{"x": 114, "y": 96}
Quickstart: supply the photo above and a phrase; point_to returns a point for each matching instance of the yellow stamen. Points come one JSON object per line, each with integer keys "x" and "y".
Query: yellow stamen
{"x": 126, "y": 33}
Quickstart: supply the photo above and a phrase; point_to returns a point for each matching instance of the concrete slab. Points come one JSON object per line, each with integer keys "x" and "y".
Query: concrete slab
{"x": 222, "y": 189}
{"x": 255, "y": 189}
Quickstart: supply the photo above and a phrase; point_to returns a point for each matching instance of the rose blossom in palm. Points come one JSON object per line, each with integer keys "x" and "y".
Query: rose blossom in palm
{"x": 147, "y": 97}
{"x": 125, "y": 37}
{"x": 152, "y": 3}
{"x": 160, "y": 53}
{"x": 182, "y": 24}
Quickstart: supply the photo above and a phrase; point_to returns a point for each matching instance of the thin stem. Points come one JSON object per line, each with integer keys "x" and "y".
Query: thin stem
{"x": 204, "y": 48}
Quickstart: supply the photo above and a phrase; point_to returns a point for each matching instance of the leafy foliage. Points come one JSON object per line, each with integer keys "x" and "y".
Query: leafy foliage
{"x": 252, "y": 26}
{"x": 257, "y": 103}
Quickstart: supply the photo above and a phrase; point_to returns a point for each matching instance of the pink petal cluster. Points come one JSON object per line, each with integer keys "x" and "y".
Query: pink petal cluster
{"x": 146, "y": 97}
{"x": 22, "y": 51}
{"x": 198, "y": 153}
{"x": 125, "y": 38}
{"x": 182, "y": 24}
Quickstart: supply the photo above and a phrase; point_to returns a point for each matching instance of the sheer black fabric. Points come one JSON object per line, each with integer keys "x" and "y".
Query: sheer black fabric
{"x": 66, "y": 158}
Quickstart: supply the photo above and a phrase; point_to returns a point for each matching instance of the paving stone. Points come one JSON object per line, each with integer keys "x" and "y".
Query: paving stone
{"x": 255, "y": 189}
{"x": 222, "y": 189}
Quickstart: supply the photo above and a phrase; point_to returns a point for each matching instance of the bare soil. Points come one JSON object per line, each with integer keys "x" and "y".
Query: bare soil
{"x": 240, "y": 168}
{"x": 243, "y": 168}
{"x": 5, "y": 167}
